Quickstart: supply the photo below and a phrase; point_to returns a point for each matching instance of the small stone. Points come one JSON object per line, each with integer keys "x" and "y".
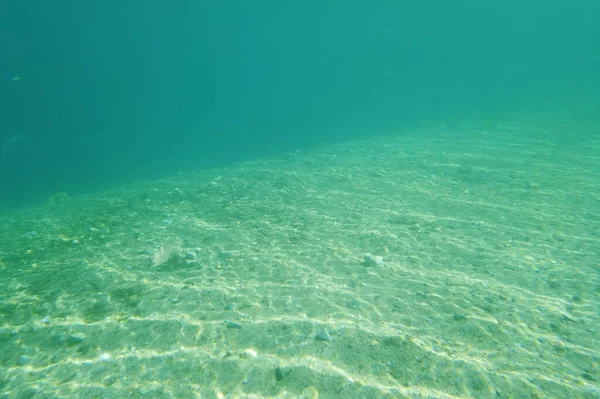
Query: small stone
{"x": 322, "y": 335}
{"x": 557, "y": 344}
{"x": 23, "y": 360}
{"x": 75, "y": 339}
{"x": 232, "y": 324}
{"x": 108, "y": 381}
{"x": 248, "y": 353}
{"x": 373, "y": 260}
{"x": 279, "y": 374}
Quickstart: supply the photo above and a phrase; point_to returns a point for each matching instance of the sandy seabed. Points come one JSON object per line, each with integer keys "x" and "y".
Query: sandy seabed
{"x": 489, "y": 285}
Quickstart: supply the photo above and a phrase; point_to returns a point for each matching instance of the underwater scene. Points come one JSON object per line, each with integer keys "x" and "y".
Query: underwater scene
{"x": 299, "y": 200}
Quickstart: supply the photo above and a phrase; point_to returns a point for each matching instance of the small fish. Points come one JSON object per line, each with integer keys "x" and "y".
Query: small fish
{"x": 9, "y": 142}
{"x": 164, "y": 253}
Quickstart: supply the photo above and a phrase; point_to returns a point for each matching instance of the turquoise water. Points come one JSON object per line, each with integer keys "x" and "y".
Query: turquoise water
{"x": 316, "y": 200}
{"x": 103, "y": 93}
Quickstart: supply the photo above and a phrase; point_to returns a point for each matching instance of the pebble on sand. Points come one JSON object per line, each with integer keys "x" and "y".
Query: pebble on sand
{"x": 23, "y": 360}
{"x": 248, "y": 353}
{"x": 372, "y": 260}
{"x": 322, "y": 335}
{"x": 232, "y": 324}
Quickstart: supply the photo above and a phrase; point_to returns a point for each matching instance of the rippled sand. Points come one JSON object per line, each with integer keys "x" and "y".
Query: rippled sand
{"x": 489, "y": 286}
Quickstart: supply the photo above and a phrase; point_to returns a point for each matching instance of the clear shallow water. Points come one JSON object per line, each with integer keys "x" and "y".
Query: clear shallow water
{"x": 269, "y": 149}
